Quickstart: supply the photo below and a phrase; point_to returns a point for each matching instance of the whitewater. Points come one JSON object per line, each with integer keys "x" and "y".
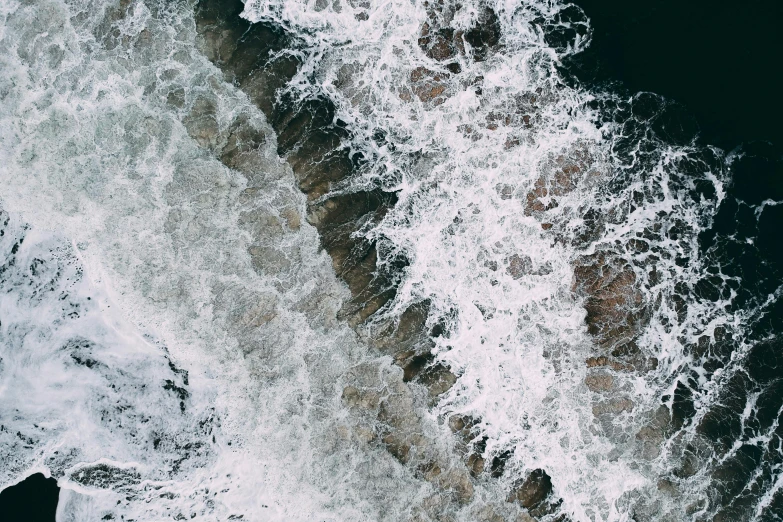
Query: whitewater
{"x": 174, "y": 341}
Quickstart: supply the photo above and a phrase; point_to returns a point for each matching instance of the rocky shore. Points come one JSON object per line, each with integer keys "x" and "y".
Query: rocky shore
{"x": 261, "y": 59}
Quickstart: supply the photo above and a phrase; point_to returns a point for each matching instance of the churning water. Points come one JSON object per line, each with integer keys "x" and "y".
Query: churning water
{"x": 173, "y": 338}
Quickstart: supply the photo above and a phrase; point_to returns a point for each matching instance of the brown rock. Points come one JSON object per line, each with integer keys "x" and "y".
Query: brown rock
{"x": 397, "y": 446}
{"x": 242, "y": 149}
{"x": 565, "y": 173}
{"x": 428, "y": 85}
{"x": 361, "y": 398}
{"x": 475, "y": 464}
{"x": 430, "y": 470}
{"x": 519, "y": 266}
{"x": 458, "y": 483}
{"x": 599, "y": 381}
{"x": 533, "y": 491}
{"x": 613, "y": 406}
{"x": 624, "y": 362}
{"x": 201, "y": 123}
{"x": 651, "y": 436}
{"x": 614, "y": 304}
{"x": 488, "y": 514}
{"x": 438, "y": 379}
{"x": 438, "y": 44}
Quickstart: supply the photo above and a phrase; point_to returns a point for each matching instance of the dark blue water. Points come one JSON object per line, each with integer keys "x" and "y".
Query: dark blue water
{"x": 714, "y": 65}
{"x": 32, "y": 500}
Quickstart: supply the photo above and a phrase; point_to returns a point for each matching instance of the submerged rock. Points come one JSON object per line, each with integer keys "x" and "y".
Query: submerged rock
{"x": 615, "y": 307}
{"x": 255, "y": 58}
{"x": 442, "y": 42}
{"x": 533, "y": 491}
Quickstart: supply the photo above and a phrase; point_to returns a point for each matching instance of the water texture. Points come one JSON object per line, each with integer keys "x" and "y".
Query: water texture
{"x": 370, "y": 261}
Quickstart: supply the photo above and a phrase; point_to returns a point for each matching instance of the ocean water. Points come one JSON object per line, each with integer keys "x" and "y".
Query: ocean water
{"x": 171, "y": 344}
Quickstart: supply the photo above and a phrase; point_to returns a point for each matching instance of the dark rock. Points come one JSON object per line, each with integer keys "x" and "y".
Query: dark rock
{"x": 242, "y": 149}
{"x": 533, "y": 491}
{"x": 438, "y": 44}
{"x": 563, "y": 175}
{"x": 613, "y": 406}
{"x": 485, "y": 36}
{"x": 253, "y": 56}
{"x": 201, "y": 122}
{"x": 599, "y": 381}
{"x": 32, "y": 500}
{"x": 429, "y": 86}
{"x": 519, "y": 266}
{"x": 438, "y": 379}
{"x": 311, "y": 139}
{"x": 615, "y": 306}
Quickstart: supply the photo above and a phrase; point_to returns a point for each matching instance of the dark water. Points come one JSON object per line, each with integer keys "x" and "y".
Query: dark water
{"x": 714, "y": 64}
{"x": 717, "y": 59}
{"x": 32, "y": 500}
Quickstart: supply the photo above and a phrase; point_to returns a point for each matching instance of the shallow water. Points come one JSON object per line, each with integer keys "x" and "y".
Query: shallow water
{"x": 173, "y": 342}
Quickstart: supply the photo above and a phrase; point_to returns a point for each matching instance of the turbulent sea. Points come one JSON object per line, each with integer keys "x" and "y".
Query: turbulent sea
{"x": 347, "y": 260}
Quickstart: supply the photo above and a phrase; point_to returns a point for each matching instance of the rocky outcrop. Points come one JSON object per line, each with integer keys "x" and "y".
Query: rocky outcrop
{"x": 534, "y": 493}
{"x": 312, "y": 140}
{"x": 613, "y": 301}
{"x": 443, "y": 43}
{"x": 254, "y": 58}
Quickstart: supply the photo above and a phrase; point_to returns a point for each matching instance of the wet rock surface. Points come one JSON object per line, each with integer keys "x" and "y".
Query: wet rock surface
{"x": 442, "y": 42}
{"x": 253, "y": 57}
{"x": 534, "y": 493}
{"x": 614, "y": 304}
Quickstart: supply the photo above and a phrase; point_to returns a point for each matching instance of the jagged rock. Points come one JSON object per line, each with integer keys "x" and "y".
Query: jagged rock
{"x": 442, "y": 43}
{"x": 242, "y": 150}
{"x": 254, "y": 58}
{"x": 439, "y": 44}
{"x": 565, "y": 173}
{"x": 412, "y": 364}
{"x": 367, "y": 399}
{"x": 624, "y": 361}
{"x": 438, "y": 379}
{"x": 201, "y": 123}
{"x": 475, "y": 464}
{"x": 405, "y": 338}
{"x": 519, "y": 266}
{"x": 458, "y": 483}
{"x": 651, "y": 436}
{"x": 464, "y": 426}
{"x": 533, "y": 491}
{"x": 427, "y": 85}
{"x": 614, "y": 303}
{"x": 488, "y": 514}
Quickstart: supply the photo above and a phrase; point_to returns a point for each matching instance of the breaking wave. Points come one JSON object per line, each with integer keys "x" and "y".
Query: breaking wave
{"x": 179, "y": 334}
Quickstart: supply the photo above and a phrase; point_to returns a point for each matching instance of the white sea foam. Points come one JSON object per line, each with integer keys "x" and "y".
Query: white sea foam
{"x": 160, "y": 237}
{"x": 94, "y": 149}
{"x": 463, "y": 162}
